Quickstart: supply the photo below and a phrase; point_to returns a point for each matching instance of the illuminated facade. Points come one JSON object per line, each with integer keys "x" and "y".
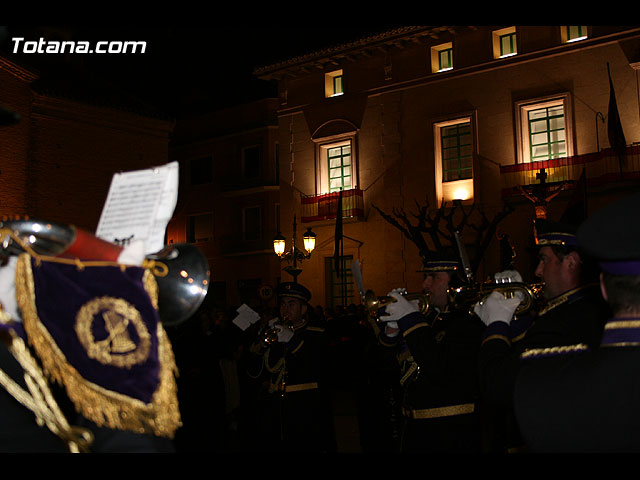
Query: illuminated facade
{"x": 229, "y": 199}
{"x": 419, "y": 115}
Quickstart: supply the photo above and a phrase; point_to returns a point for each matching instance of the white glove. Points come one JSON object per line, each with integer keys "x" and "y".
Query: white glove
{"x": 496, "y": 308}
{"x": 8, "y": 288}
{"x": 510, "y": 276}
{"x": 284, "y": 333}
{"x": 398, "y": 309}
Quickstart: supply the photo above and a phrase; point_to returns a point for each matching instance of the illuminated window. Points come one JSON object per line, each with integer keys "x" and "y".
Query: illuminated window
{"x": 504, "y": 42}
{"x": 454, "y": 153}
{"x": 442, "y": 57}
{"x": 336, "y": 165}
{"x": 573, "y": 33}
{"x": 544, "y": 129}
{"x": 333, "y": 84}
{"x": 547, "y": 133}
{"x": 456, "y": 149}
{"x": 340, "y": 173}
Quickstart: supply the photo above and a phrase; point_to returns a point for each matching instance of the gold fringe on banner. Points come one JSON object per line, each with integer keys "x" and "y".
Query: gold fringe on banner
{"x": 107, "y": 408}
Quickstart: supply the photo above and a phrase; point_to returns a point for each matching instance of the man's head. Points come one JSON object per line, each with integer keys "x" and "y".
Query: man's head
{"x": 611, "y": 236}
{"x": 439, "y": 276}
{"x": 559, "y": 268}
{"x": 294, "y": 300}
{"x": 622, "y": 293}
{"x": 560, "y": 263}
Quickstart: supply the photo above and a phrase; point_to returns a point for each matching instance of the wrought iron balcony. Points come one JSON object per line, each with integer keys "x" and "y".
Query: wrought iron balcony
{"x": 601, "y": 168}
{"x": 324, "y": 207}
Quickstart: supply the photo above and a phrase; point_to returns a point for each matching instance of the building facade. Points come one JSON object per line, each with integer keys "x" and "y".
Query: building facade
{"x": 442, "y": 116}
{"x": 57, "y": 161}
{"x": 229, "y": 199}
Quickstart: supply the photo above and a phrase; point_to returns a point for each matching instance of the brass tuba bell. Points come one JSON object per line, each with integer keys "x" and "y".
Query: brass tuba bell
{"x": 183, "y": 288}
{"x": 182, "y": 281}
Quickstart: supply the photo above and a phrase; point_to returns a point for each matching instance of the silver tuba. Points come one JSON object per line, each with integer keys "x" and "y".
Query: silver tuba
{"x": 183, "y": 278}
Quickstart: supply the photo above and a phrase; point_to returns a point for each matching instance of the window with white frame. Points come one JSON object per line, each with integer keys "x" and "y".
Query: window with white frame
{"x": 545, "y": 129}
{"x": 454, "y": 153}
{"x": 573, "y": 33}
{"x": 504, "y": 42}
{"x": 336, "y": 165}
{"x": 333, "y": 84}
{"x": 442, "y": 57}
{"x": 340, "y": 172}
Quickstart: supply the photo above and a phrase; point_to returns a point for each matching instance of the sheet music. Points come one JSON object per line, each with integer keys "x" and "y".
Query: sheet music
{"x": 246, "y": 317}
{"x": 139, "y": 206}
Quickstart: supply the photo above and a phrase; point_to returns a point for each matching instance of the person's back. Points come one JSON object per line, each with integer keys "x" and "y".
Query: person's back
{"x": 591, "y": 402}
{"x": 594, "y": 392}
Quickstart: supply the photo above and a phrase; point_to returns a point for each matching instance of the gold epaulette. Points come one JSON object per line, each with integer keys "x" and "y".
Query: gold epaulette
{"x": 497, "y": 337}
{"x": 438, "y": 412}
{"x": 415, "y": 327}
{"x": 553, "y": 351}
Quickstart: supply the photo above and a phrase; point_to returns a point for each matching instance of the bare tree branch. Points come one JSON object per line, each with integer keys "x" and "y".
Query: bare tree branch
{"x": 439, "y": 226}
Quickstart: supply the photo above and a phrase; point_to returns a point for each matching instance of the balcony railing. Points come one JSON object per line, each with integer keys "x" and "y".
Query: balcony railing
{"x": 601, "y": 168}
{"x": 324, "y": 207}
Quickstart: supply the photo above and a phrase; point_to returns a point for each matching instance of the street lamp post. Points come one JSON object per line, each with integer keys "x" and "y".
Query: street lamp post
{"x": 294, "y": 254}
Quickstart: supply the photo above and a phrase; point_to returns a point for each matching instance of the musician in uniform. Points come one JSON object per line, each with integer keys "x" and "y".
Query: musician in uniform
{"x": 290, "y": 361}
{"x": 587, "y": 400}
{"x": 571, "y": 316}
{"x": 438, "y": 353}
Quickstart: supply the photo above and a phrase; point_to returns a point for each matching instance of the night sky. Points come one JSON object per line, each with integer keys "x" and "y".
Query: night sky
{"x": 184, "y": 70}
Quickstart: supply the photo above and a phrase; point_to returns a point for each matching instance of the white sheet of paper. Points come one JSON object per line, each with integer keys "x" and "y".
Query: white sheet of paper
{"x": 246, "y": 317}
{"x": 139, "y": 206}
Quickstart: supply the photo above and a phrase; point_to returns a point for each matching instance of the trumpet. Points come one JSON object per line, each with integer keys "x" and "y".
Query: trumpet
{"x": 373, "y": 303}
{"x": 468, "y": 295}
{"x": 269, "y": 334}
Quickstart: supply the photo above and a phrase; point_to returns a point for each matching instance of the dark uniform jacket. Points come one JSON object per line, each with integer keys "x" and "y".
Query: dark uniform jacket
{"x": 440, "y": 382}
{"x": 55, "y": 346}
{"x": 573, "y": 319}
{"x": 586, "y": 402}
{"x": 21, "y": 433}
{"x": 296, "y": 399}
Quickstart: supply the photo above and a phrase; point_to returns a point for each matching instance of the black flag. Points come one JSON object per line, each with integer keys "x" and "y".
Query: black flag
{"x": 576, "y": 210}
{"x": 338, "y": 237}
{"x": 614, "y": 125}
